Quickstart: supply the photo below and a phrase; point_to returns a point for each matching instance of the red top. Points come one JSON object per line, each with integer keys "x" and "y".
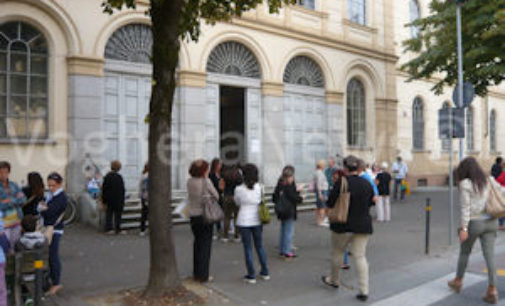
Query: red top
{"x": 501, "y": 179}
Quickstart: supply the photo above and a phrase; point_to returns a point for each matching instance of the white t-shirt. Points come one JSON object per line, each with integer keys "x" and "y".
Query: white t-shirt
{"x": 400, "y": 170}
{"x": 248, "y": 201}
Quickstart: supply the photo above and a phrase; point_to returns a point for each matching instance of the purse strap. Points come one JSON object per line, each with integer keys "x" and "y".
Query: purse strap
{"x": 343, "y": 185}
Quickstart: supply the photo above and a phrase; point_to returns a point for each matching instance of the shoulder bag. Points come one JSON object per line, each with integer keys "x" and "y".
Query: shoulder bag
{"x": 495, "y": 205}
{"x": 339, "y": 212}
{"x": 212, "y": 212}
{"x": 263, "y": 211}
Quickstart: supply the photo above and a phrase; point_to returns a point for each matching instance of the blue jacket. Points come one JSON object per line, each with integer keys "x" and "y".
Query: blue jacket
{"x": 55, "y": 208}
{"x": 367, "y": 177}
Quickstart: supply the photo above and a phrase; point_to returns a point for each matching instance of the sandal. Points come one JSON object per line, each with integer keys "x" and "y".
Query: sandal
{"x": 327, "y": 282}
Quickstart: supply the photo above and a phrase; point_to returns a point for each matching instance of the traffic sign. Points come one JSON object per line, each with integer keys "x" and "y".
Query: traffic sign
{"x": 468, "y": 95}
{"x": 458, "y": 123}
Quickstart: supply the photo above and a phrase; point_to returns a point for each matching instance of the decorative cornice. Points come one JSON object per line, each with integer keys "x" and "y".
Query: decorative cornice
{"x": 386, "y": 101}
{"x": 274, "y": 89}
{"x": 307, "y": 11}
{"x": 360, "y": 27}
{"x": 85, "y": 65}
{"x": 334, "y": 97}
{"x": 189, "y": 78}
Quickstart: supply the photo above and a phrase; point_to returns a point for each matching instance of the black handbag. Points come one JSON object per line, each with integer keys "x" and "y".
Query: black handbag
{"x": 283, "y": 207}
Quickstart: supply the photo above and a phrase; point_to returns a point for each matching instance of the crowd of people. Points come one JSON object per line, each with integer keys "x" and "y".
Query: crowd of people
{"x": 31, "y": 218}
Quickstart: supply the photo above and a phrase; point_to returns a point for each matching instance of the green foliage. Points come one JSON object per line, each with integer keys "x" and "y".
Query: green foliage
{"x": 211, "y": 11}
{"x": 483, "y": 32}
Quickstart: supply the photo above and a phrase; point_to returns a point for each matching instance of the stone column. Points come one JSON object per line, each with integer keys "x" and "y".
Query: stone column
{"x": 85, "y": 94}
{"x": 273, "y": 132}
{"x": 386, "y": 125}
{"x": 335, "y": 118}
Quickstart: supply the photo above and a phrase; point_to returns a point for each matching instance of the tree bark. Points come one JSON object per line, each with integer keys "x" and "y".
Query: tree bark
{"x": 163, "y": 273}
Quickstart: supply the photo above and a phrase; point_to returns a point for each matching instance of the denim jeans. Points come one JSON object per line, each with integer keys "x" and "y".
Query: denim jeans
{"x": 256, "y": 233}
{"x": 286, "y": 236}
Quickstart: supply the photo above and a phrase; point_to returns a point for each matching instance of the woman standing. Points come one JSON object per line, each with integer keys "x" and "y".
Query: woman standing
{"x": 113, "y": 195}
{"x": 34, "y": 193}
{"x": 475, "y": 224}
{"x": 218, "y": 182}
{"x": 144, "y": 196}
{"x": 199, "y": 186}
{"x": 53, "y": 212}
{"x": 286, "y": 188}
{"x": 383, "y": 181}
{"x": 321, "y": 190}
{"x": 248, "y": 198}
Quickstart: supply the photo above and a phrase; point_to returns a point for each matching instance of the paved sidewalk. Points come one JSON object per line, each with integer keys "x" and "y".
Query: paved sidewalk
{"x": 95, "y": 264}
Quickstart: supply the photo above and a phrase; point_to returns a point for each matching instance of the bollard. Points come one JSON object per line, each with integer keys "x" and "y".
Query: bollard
{"x": 38, "y": 264}
{"x": 427, "y": 241}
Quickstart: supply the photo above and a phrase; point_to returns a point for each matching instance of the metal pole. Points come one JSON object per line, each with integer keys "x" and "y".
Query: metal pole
{"x": 460, "y": 73}
{"x": 451, "y": 181}
{"x": 427, "y": 241}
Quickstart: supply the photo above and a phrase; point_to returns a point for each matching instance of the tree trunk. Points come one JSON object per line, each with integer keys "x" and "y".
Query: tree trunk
{"x": 163, "y": 273}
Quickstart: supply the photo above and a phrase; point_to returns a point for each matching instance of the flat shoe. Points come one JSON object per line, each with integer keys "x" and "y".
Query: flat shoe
{"x": 327, "y": 282}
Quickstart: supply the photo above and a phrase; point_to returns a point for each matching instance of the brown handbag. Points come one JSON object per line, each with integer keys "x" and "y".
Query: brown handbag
{"x": 495, "y": 205}
{"x": 339, "y": 212}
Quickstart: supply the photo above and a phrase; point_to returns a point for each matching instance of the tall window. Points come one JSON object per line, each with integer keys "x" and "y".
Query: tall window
{"x": 356, "y": 10}
{"x": 356, "y": 114}
{"x": 415, "y": 13}
{"x": 310, "y": 4}
{"x": 418, "y": 124}
{"x": 470, "y": 144}
{"x": 446, "y": 143}
{"x": 23, "y": 81}
{"x": 492, "y": 131}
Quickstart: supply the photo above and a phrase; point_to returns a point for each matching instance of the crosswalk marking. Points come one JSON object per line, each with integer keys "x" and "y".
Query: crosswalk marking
{"x": 428, "y": 293}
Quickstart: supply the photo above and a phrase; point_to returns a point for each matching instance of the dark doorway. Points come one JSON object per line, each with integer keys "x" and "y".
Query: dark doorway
{"x": 232, "y": 115}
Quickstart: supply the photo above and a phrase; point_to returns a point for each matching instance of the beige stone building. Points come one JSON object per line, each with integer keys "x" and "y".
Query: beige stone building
{"x": 317, "y": 79}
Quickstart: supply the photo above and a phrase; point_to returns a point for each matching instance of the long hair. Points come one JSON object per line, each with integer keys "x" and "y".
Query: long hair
{"x": 470, "y": 169}
{"x": 250, "y": 172}
{"x": 36, "y": 184}
{"x": 214, "y": 164}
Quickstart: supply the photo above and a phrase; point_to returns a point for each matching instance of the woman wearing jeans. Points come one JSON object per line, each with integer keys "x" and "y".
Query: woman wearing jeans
{"x": 475, "y": 224}
{"x": 286, "y": 187}
{"x": 248, "y": 198}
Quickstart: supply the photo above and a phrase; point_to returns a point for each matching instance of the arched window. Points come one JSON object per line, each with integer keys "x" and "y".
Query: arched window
{"x": 446, "y": 143}
{"x": 492, "y": 131}
{"x": 415, "y": 13}
{"x": 131, "y": 43}
{"x": 23, "y": 81}
{"x": 302, "y": 70}
{"x": 233, "y": 58}
{"x": 470, "y": 144}
{"x": 310, "y": 4}
{"x": 356, "y": 10}
{"x": 356, "y": 113}
{"x": 418, "y": 124}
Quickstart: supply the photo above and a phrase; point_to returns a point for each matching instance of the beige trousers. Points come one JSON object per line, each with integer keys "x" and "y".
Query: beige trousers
{"x": 357, "y": 246}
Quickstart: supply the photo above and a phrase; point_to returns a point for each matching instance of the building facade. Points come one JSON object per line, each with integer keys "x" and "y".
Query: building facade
{"x": 317, "y": 79}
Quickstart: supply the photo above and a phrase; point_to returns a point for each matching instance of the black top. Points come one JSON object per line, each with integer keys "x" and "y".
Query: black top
{"x": 55, "y": 208}
{"x": 232, "y": 179}
{"x": 359, "y": 220}
{"x": 113, "y": 190}
{"x": 30, "y": 208}
{"x": 291, "y": 193}
{"x": 496, "y": 170}
{"x": 384, "y": 179}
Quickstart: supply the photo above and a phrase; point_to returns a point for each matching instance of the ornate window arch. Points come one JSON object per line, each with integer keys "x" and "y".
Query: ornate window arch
{"x": 470, "y": 141}
{"x": 446, "y": 143}
{"x": 131, "y": 43}
{"x": 492, "y": 132}
{"x": 235, "y": 59}
{"x": 356, "y": 11}
{"x": 302, "y": 70}
{"x": 23, "y": 81}
{"x": 356, "y": 113}
{"x": 418, "y": 124}
{"x": 415, "y": 13}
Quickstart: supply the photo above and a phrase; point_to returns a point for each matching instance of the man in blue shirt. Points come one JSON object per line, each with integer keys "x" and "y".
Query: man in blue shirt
{"x": 329, "y": 172}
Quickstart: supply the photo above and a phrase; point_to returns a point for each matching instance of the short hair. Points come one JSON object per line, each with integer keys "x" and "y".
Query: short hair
{"x": 287, "y": 172}
{"x": 146, "y": 168}
{"x": 320, "y": 164}
{"x": 198, "y": 168}
{"x": 361, "y": 164}
{"x": 250, "y": 172}
{"x": 5, "y": 165}
{"x": 499, "y": 160}
{"x": 351, "y": 162}
{"x": 115, "y": 165}
{"x": 55, "y": 176}
{"x": 399, "y": 158}
{"x": 29, "y": 223}
{"x": 384, "y": 165}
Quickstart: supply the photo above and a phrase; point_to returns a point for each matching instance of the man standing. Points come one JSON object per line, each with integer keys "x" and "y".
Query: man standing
{"x": 329, "y": 172}
{"x": 113, "y": 195}
{"x": 356, "y": 232}
{"x": 497, "y": 169}
{"x": 399, "y": 170}
{"x": 12, "y": 199}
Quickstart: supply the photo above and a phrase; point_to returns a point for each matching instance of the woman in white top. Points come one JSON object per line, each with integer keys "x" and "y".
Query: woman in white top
{"x": 475, "y": 223}
{"x": 248, "y": 198}
{"x": 320, "y": 184}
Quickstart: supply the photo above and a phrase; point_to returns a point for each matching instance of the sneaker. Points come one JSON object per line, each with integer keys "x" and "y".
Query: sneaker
{"x": 362, "y": 297}
{"x": 110, "y": 233}
{"x": 265, "y": 277}
{"x": 225, "y": 240}
{"x": 290, "y": 255}
{"x": 249, "y": 280}
{"x": 345, "y": 267}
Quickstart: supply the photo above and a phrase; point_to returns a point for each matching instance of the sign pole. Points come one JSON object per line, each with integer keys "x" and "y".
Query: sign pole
{"x": 451, "y": 180}
{"x": 460, "y": 74}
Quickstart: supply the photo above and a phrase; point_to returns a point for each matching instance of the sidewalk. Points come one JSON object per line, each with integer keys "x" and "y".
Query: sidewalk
{"x": 95, "y": 264}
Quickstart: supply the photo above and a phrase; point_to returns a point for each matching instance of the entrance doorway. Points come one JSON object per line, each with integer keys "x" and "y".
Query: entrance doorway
{"x": 232, "y": 126}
